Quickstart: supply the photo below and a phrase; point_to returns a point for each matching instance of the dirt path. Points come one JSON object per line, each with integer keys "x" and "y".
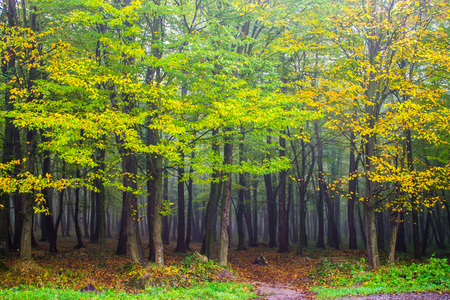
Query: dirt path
{"x": 280, "y": 292}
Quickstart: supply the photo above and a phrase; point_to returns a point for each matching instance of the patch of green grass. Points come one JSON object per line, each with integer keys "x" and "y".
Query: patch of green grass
{"x": 214, "y": 290}
{"x": 353, "y": 280}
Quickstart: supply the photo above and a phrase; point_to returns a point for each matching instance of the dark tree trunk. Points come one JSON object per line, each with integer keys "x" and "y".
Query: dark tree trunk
{"x": 224, "y": 219}
{"x": 134, "y": 244}
{"x": 282, "y": 222}
{"x": 85, "y": 213}
{"x": 165, "y": 219}
{"x": 109, "y": 223}
{"x": 248, "y": 218}
{"x": 361, "y": 226}
{"x": 190, "y": 206}
{"x": 271, "y": 207}
{"x": 324, "y": 189}
{"x": 93, "y": 218}
{"x": 425, "y": 233}
{"x": 240, "y": 213}
{"x": 75, "y": 217}
{"x": 353, "y": 175}
{"x": 211, "y": 207}
{"x": 380, "y": 230}
{"x": 100, "y": 199}
{"x": 68, "y": 216}
{"x": 400, "y": 245}
{"x": 48, "y": 204}
{"x": 154, "y": 201}
{"x": 122, "y": 243}
{"x": 255, "y": 211}
{"x": 181, "y": 209}
{"x": 10, "y": 151}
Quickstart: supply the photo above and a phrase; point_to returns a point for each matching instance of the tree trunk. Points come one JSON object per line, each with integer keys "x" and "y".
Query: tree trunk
{"x": 240, "y": 211}
{"x": 271, "y": 207}
{"x": 134, "y": 245}
{"x": 75, "y": 217}
{"x": 154, "y": 201}
{"x": 48, "y": 204}
{"x": 224, "y": 220}
{"x": 28, "y": 201}
{"x": 282, "y": 224}
{"x": 211, "y": 207}
{"x": 85, "y": 213}
{"x": 255, "y": 211}
{"x": 122, "y": 243}
{"x": 324, "y": 190}
{"x": 248, "y": 218}
{"x": 165, "y": 219}
{"x": 353, "y": 175}
{"x": 190, "y": 213}
{"x": 100, "y": 199}
{"x": 400, "y": 245}
{"x": 425, "y": 233}
{"x": 395, "y": 221}
{"x": 181, "y": 209}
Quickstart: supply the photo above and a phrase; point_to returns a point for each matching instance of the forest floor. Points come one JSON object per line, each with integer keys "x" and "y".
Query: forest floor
{"x": 286, "y": 275}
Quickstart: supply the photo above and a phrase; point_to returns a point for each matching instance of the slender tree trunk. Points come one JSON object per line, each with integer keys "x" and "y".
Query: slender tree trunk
{"x": 165, "y": 219}
{"x": 425, "y": 233}
{"x": 85, "y": 213}
{"x": 122, "y": 243}
{"x": 9, "y": 149}
{"x": 324, "y": 189}
{"x": 154, "y": 201}
{"x": 211, "y": 208}
{"x": 93, "y": 219}
{"x": 28, "y": 198}
{"x": 48, "y": 204}
{"x": 190, "y": 213}
{"x": 100, "y": 199}
{"x": 134, "y": 245}
{"x": 240, "y": 214}
{"x": 255, "y": 211}
{"x": 282, "y": 224}
{"x": 75, "y": 217}
{"x": 181, "y": 209}
{"x": 224, "y": 220}
{"x": 248, "y": 218}
{"x": 395, "y": 222}
{"x": 353, "y": 175}
{"x": 68, "y": 216}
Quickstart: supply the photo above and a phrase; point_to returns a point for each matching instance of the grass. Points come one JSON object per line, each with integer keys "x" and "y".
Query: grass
{"x": 213, "y": 290}
{"x": 343, "y": 279}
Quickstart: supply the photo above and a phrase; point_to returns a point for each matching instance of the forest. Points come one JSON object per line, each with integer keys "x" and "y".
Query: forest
{"x": 231, "y": 124}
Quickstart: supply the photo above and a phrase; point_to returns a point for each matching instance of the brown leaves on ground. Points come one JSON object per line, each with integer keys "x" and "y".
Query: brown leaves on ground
{"x": 77, "y": 268}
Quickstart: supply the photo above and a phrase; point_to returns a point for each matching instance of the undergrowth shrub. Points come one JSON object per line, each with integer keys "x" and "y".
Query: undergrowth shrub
{"x": 193, "y": 270}
{"x": 431, "y": 276}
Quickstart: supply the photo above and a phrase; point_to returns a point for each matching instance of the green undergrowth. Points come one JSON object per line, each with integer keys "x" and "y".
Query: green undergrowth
{"x": 345, "y": 279}
{"x": 212, "y": 290}
{"x": 194, "y": 270}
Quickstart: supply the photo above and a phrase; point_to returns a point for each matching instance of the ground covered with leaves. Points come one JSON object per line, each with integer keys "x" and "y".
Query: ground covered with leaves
{"x": 316, "y": 274}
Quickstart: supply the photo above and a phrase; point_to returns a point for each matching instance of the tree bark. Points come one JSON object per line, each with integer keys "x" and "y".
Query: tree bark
{"x": 224, "y": 220}
{"x": 134, "y": 245}
{"x": 181, "y": 209}
{"x": 282, "y": 224}
{"x": 76, "y": 213}
{"x": 100, "y": 199}
{"x": 211, "y": 207}
{"x": 122, "y": 243}
{"x": 353, "y": 181}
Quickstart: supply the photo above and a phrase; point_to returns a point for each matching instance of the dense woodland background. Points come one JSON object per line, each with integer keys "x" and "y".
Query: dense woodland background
{"x": 281, "y": 123}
